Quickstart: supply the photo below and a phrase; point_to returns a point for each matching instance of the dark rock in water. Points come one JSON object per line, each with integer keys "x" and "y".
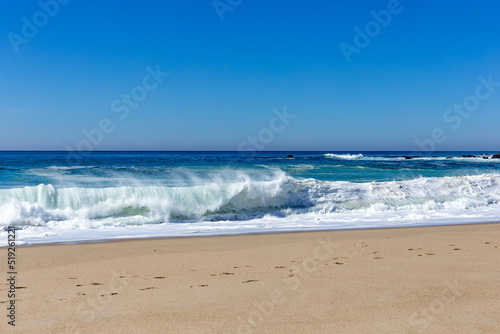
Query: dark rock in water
{"x": 496, "y": 156}
{"x": 407, "y": 158}
{"x": 449, "y": 158}
{"x": 485, "y": 158}
{"x": 289, "y": 156}
{"x": 468, "y": 156}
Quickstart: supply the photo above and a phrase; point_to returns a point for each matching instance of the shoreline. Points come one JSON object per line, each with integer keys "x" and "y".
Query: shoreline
{"x": 99, "y": 241}
{"x": 388, "y": 280}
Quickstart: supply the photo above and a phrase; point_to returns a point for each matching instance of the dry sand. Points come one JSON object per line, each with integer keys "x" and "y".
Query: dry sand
{"x": 407, "y": 280}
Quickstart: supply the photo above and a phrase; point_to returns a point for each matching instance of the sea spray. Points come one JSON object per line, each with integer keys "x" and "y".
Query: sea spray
{"x": 244, "y": 199}
{"x": 113, "y": 195}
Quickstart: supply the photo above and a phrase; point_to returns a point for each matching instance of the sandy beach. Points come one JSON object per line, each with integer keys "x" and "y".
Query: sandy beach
{"x": 246, "y": 167}
{"x": 407, "y": 280}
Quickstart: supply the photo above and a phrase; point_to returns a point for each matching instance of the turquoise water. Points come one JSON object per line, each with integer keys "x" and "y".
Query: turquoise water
{"x": 100, "y": 169}
{"x": 56, "y": 196}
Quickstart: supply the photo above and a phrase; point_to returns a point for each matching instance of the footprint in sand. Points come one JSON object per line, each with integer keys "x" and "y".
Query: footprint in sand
{"x": 111, "y": 294}
{"x": 199, "y": 286}
{"x": 149, "y": 288}
{"x": 279, "y": 267}
{"x": 223, "y": 274}
{"x": 378, "y": 258}
{"x": 251, "y": 280}
{"x": 361, "y": 244}
{"x": 93, "y": 283}
{"x": 410, "y": 249}
{"x": 489, "y": 243}
{"x": 426, "y": 254}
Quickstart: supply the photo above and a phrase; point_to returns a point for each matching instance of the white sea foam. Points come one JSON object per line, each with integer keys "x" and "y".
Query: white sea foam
{"x": 344, "y": 156}
{"x": 360, "y": 156}
{"x": 46, "y": 204}
{"x": 268, "y": 223}
{"x": 246, "y": 205}
{"x": 69, "y": 167}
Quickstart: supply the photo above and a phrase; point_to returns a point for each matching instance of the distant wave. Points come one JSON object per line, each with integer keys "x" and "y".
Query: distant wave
{"x": 69, "y": 167}
{"x": 46, "y": 205}
{"x": 478, "y": 158}
{"x": 344, "y": 156}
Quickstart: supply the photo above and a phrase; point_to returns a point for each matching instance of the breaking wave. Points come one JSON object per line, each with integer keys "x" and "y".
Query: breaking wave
{"x": 344, "y": 156}
{"x": 478, "y": 158}
{"x": 242, "y": 199}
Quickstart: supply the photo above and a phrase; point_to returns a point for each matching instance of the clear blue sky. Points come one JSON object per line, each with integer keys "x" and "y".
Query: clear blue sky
{"x": 226, "y": 77}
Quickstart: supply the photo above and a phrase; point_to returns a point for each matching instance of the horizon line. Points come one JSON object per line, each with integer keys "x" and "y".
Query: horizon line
{"x": 107, "y": 151}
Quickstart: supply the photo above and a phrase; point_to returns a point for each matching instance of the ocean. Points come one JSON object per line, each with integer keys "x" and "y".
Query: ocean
{"x": 53, "y": 197}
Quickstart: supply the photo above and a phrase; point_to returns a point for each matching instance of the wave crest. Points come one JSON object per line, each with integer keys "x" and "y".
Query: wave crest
{"x": 244, "y": 199}
{"x": 44, "y": 203}
{"x": 344, "y": 156}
